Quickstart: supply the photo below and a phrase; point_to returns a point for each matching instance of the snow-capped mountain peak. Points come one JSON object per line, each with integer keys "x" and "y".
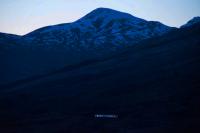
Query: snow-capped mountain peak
{"x": 108, "y": 14}
{"x": 97, "y": 29}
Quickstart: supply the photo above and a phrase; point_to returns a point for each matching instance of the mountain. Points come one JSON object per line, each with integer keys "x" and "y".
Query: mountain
{"x": 152, "y": 87}
{"x": 98, "y": 29}
{"x": 100, "y": 33}
{"x": 193, "y": 21}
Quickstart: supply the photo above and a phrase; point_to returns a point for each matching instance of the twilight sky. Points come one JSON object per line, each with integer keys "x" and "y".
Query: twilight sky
{"x": 23, "y": 16}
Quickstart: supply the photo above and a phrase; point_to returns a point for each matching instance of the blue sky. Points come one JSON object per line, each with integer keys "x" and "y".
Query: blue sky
{"x": 23, "y": 16}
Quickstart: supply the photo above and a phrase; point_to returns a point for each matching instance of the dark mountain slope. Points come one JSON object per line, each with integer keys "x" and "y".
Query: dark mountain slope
{"x": 153, "y": 87}
{"x": 191, "y": 22}
{"x": 8, "y": 37}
